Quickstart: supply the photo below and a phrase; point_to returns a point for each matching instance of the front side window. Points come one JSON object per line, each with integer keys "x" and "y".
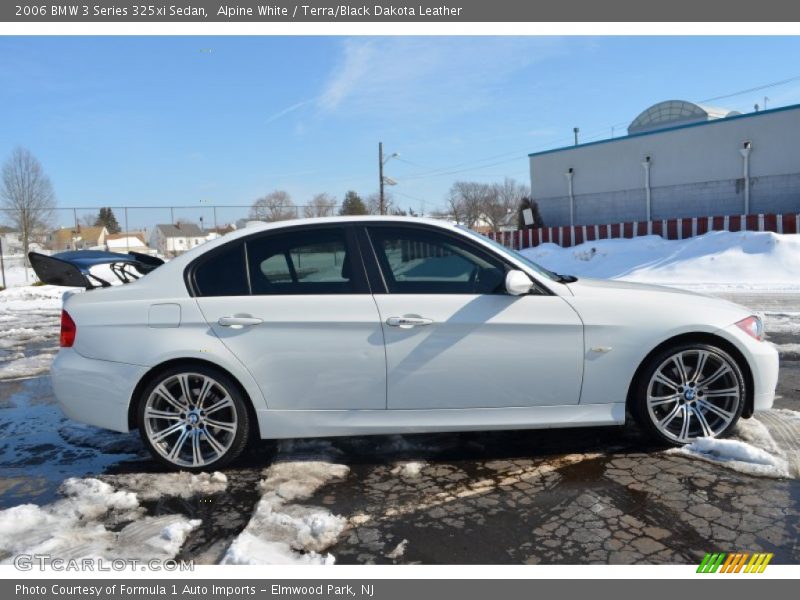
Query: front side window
{"x": 312, "y": 261}
{"x": 417, "y": 261}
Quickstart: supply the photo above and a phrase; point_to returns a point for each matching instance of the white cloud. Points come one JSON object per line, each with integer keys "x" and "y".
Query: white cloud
{"x": 431, "y": 76}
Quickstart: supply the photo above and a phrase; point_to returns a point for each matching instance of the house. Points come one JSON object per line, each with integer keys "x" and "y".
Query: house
{"x": 171, "y": 240}
{"x": 82, "y": 238}
{"x": 10, "y": 240}
{"x": 131, "y": 241}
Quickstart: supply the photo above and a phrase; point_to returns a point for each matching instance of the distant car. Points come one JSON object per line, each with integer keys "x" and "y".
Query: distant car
{"x": 374, "y": 325}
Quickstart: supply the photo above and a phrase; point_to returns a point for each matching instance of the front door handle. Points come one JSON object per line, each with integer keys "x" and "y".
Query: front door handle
{"x": 239, "y": 321}
{"x": 407, "y": 322}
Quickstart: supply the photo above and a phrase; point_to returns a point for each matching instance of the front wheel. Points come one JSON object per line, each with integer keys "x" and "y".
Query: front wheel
{"x": 688, "y": 392}
{"x": 193, "y": 418}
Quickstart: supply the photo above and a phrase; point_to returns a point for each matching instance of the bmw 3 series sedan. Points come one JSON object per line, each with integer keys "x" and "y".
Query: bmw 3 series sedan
{"x": 375, "y": 325}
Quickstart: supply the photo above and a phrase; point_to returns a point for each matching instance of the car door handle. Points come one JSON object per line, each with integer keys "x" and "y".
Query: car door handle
{"x": 239, "y": 321}
{"x": 407, "y": 322}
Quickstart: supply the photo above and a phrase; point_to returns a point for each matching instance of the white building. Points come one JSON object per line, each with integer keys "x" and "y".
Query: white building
{"x": 171, "y": 240}
{"x": 679, "y": 159}
{"x": 127, "y": 241}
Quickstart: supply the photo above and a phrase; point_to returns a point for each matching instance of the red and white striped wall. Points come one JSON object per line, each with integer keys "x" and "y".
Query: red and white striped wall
{"x": 671, "y": 229}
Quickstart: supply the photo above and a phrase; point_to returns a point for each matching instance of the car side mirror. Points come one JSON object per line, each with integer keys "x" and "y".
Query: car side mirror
{"x": 518, "y": 283}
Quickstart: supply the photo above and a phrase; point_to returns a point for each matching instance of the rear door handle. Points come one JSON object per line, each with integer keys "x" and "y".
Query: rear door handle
{"x": 239, "y": 321}
{"x": 408, "y": 322}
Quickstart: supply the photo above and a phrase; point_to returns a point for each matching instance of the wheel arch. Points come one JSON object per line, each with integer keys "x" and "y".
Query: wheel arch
{"x": 169, "y": 364}
{"x": 703, "y": 338}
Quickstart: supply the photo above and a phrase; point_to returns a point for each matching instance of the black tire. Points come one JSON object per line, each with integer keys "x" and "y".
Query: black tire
{"x": 647, "y": 416}
{"x": 234, "y": 439}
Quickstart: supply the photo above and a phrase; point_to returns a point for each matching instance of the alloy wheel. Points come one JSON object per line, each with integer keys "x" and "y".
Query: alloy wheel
{"x": 694, "y": 393}
{"x": 190, "y": 419}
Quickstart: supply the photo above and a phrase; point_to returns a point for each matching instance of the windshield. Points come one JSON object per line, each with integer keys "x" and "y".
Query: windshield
{"x": 517, "y": 255}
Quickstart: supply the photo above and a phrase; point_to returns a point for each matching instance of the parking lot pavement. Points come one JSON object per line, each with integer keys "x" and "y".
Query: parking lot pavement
{"x": 600, "y": 495}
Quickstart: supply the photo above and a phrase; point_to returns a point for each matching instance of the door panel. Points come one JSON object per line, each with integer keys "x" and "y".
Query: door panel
{"x": 456, "y": 339}
{"x": 309, "y": 352}
{"x": 300, "y": 318}
{"x": 482, "y": 351}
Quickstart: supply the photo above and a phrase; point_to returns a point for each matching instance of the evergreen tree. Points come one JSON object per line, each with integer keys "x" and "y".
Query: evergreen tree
{"x": 106, "y": 218}
{"x": 353, "y": 205}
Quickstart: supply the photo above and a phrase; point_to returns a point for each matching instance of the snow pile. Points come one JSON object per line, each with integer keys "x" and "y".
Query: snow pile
{"x": 151, "y": 486}
{"x": 753, "y": 453}
{"x": 398, "y": 551}
{"x": 71, "y": 528}
{"x": 719, "y": 260}
{"x": 283, "y": 533}
{"x": 409, "y": 469}
{"x": 782, "y": 322}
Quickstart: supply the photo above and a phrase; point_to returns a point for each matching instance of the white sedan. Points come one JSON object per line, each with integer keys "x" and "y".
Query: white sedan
{"x": 374, "y": 325}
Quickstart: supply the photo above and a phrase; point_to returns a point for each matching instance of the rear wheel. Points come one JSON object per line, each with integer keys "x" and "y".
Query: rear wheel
{"x": 193, "y": 418}
{"x": 687, "y": 392}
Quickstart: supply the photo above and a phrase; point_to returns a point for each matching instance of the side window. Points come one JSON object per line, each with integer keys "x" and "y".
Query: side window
{"x": 314, "y": 261}
{"x": 416, "y": 261}
{"x": 222, "y": 273}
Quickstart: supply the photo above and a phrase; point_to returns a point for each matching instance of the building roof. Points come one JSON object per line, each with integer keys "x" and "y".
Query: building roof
{"x": 90, "y": 235}
{"x": 674, "y": 112}
{"x": 761, "y": 113}
{"x": 122, "y": 235}
{"x": 181, "y": 230}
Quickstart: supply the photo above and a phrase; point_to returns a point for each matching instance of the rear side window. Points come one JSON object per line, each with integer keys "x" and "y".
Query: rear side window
{"x": 313, "y": 261}
{"x": 222, "y": 273}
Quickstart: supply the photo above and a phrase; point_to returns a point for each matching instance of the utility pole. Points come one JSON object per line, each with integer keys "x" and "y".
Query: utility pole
{"x": 380, "y": 177}
{"x": 3, "y": 264}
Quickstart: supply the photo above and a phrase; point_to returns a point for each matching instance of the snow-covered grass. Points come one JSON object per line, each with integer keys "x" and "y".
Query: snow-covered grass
{"x": 716, "y": 261}
{"x": 281, "y": 532}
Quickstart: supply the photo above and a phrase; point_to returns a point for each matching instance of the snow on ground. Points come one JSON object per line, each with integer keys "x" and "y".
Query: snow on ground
{"x": 150, "y": 486}
{"x": 780, "y": 322}
{"x": 752, "y": 451}
{"x": 281, "y": 531}
{"x": 409, "y": 469}
{"x": 716, "y": 261}
{"x": 73, "y": 528}
{"x": 29, "y": 321}
{"x": 398, "y": 551}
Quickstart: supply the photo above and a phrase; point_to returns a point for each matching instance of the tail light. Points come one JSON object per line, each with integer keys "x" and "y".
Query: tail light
{"x": 68, "y": 330}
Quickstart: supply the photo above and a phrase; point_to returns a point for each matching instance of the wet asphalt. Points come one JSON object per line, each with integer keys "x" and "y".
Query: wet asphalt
{"x": 573, "y": 496}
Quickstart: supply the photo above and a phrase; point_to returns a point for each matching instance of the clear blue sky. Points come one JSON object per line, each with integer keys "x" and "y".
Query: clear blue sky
{"x": 223, "y": 120}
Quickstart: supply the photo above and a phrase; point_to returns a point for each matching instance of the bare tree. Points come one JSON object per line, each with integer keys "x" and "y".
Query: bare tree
{"x": 374, "y": 203}
{"x": 321, "y": 205}
{"x": 275, "y": 206}
{"x": 501, "y": 201}
{"x": 466, "y": 201}
{"x": 87, "y": 220}
{"x": 28, "y": 193}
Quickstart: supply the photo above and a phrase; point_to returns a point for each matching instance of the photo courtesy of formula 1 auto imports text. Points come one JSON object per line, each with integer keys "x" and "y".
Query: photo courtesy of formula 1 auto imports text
{"x": 329, "y": 300}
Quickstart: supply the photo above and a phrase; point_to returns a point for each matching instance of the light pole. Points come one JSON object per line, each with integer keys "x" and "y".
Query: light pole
{"x": 745, "y": 150}
{"x": 569, "y": 175}
{"x": 646, "y": 164}
{"x": 381, "y": 179}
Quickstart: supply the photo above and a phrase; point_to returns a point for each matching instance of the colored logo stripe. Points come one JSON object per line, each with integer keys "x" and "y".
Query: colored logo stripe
{"x": 735, "y": 562}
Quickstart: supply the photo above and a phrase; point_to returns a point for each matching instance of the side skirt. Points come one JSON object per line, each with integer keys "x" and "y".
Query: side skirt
{"x": 281, "y": 424}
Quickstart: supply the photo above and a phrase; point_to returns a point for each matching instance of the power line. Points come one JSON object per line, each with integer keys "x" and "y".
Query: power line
{"x": 595, "y": 134}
